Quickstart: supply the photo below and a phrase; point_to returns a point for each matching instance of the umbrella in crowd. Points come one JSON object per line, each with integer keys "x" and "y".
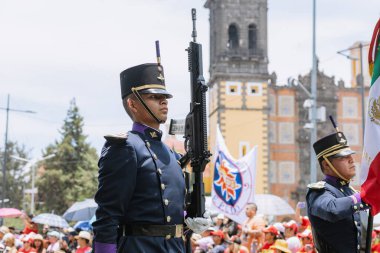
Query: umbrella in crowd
{"x": 81, "y": 211}
{"x": 9, "y": 212}
{"x": 83, "y": 225}
{"x": 92, "y": 219}
{"x": 50, "y": 219}
{"x": 269, "y": 204}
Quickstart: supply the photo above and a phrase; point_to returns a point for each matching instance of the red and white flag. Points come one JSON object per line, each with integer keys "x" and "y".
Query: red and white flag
{"x": 370, "y": 173}
{"x": 234, "y": 181}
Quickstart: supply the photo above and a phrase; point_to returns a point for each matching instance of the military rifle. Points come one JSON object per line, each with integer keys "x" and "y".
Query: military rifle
{"x": 195, "y": 132}
{"x": 196, "y": 126}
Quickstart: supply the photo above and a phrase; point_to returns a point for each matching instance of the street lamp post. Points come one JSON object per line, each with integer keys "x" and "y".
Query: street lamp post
{"x": 5, "y": 156}
{"x": 313, "y": 135}
{"x": 360, "y": 78}
{"x": 362, "y": 85}
{"x": 31, "y": 165}
{"x": 313, "y": 96}
{"x": 312, "y": 125}
{"x": 7, "y": 109}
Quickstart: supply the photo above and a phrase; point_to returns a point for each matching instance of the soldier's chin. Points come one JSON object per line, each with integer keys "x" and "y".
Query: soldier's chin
{"x": 163, "y": 119}
{"x": 352, "y": 176}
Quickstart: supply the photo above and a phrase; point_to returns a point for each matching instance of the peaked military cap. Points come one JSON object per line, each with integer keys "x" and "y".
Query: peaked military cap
{"x": 333, "y": 145}
{"x": 145, "y": 78}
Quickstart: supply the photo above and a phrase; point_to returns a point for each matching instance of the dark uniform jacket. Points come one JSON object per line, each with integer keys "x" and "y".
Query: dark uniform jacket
{"x": 140, "y": 182}
{"x": 334, "y": 216}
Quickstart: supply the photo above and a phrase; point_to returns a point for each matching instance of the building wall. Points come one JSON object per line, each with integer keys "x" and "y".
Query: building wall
{"x": 284, "y": 150}
{"x": 249, "y": 112}
{"x": 238, "y": 81}
{"x": 292, "y": 159}
{"x": 243, "y": 122}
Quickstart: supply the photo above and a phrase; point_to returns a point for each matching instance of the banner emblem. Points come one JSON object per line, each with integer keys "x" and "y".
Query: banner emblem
{"x": 227, "y": 180}
{"x": 374, "y": 110}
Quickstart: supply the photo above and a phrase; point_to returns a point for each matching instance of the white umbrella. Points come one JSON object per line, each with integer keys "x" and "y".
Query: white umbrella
{"x": 81, "y": 211}
{"x": 269, "y": 204}
{"x": 50, "y": 219}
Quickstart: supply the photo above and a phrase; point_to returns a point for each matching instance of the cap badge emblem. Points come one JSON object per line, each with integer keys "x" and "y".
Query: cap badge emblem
{"x": 161, "y": 77}
{"x": 342, "y": 141}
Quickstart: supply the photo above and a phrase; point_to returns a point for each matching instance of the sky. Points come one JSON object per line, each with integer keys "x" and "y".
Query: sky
{"x": 53, "y": 51}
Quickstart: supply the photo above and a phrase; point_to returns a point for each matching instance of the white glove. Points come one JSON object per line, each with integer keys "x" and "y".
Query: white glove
{"x": 199, "y": 224}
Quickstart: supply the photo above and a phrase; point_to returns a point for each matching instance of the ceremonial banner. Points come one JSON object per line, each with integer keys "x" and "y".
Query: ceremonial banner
{"x": 233, "y": 184}
{"x": 370, "y": 173}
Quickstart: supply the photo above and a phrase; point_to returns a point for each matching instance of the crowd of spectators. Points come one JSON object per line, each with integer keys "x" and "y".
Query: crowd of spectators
{"x": 49, "y": 240}
{"x": 256, "y": 235}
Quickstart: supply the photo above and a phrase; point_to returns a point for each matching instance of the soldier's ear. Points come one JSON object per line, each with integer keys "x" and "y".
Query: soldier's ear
{"x": 132, "y": 104}
{"x": 324, "y": 166}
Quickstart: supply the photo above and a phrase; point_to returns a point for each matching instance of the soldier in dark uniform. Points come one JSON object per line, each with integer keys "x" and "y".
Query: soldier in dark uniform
{"x": 332, "y": 204}
{"x": 141, "y": 185}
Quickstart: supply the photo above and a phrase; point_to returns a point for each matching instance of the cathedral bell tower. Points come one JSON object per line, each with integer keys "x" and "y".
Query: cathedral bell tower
{"x": 238, "y": 94}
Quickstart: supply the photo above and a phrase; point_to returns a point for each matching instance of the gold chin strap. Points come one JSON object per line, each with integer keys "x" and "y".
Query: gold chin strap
{"x": 137, "y": 94}
{"x": 325, "y": 157}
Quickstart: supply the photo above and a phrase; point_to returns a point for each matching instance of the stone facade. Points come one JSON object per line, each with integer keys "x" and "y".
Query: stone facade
{"x": 238, "y": 97}
{"x": 289, "y": 170}
{"x": 251, "y": 109}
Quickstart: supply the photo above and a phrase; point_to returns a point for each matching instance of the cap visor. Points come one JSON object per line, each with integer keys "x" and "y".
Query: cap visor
{"x": 344, "y": 152}
{"x": 156, "y": 91}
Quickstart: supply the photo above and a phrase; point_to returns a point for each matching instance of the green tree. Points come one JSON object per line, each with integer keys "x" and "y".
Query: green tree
{"x": 70, "y": 175}
{"x": 16, "y": 178}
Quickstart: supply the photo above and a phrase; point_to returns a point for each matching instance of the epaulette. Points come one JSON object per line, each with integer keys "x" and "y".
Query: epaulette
{"x": 317, "y": 186}
{"x": 118, "y": 138}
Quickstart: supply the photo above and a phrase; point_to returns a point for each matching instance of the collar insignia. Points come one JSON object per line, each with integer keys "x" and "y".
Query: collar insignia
{"x": 153, "y": 134}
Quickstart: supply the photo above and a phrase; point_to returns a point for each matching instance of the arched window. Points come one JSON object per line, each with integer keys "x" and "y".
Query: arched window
{"x": 233, "y": 36}
{"x": 252, "y": 38}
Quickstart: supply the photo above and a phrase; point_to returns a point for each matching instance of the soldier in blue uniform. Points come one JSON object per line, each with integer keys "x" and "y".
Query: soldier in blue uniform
{"x": 332, "y": 204}
{"x": 141, "y": 185}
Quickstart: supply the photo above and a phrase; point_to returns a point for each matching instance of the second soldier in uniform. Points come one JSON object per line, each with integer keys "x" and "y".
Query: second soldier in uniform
{"x": 333, "y": 205}
{"x": 141, "y": 186}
